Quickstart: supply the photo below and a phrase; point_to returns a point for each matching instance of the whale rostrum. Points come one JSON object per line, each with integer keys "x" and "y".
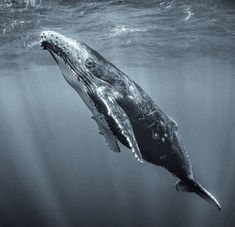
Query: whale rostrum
{"x": 123, "y": 111}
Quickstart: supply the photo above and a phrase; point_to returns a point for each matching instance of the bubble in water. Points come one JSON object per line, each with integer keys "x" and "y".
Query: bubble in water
{"x": 119, "y": 29}
{"x": 189, "y": 13}
{"x": 32, "y": 3}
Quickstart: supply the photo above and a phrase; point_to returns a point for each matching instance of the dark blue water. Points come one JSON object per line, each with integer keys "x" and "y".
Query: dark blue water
{"x": 56, "y": 170}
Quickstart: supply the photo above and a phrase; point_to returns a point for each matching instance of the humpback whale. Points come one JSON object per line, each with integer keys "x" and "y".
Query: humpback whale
{"x": 123, "y": 111}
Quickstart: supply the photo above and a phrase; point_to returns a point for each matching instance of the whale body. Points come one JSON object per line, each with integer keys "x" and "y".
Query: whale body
{"x": 123, "y": 111}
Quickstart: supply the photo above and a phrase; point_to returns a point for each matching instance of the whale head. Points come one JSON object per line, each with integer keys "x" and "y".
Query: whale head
{"x": 78, "y": 61}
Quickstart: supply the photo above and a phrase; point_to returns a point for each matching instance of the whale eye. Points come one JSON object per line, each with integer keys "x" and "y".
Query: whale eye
{"x": 89, "y": 63}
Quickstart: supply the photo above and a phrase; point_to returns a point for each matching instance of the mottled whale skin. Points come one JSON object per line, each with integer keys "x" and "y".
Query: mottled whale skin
{"x": 123, "y": 111}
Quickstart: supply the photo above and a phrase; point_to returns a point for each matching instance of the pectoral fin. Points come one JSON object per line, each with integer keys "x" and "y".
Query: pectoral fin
{"x": 108, "y": 135}
{"x": 119, "y": 123}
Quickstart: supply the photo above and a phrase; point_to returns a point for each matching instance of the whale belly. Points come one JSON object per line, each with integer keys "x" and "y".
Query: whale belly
{"x": 163, "y": 148}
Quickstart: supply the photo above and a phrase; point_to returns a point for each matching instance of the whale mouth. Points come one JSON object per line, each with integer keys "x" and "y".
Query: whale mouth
{"x": 69, "y": 55}
{"x": 50, "y": 42}
{"x": 59, "y": 44}
{"x": 60, "y": 47}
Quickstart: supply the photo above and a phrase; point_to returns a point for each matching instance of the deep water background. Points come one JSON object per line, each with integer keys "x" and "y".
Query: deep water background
{"x": 57, "y": 171}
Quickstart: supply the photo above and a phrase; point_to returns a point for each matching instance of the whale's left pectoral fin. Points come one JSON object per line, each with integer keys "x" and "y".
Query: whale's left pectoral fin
{"x": 119, "y": 121}
{"x": 108, "y": 135}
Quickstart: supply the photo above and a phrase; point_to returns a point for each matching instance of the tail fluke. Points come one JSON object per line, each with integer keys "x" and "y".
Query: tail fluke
{"x": 198, "y": 189}
{"x": 206, "y": 195}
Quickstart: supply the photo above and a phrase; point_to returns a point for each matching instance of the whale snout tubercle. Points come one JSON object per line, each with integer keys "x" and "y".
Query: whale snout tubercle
{"x": 49, "y": 38}
{"x": 57, "y": 43}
